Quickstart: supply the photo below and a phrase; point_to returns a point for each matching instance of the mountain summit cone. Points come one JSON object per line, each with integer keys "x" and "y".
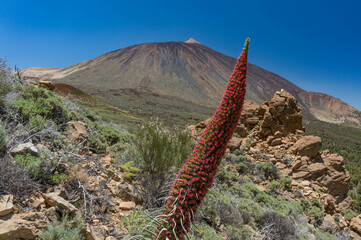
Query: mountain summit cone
{"x": 192, "y": 40}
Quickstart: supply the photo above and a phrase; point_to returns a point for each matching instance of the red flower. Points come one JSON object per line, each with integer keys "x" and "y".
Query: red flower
{"x": 197, "y": 174}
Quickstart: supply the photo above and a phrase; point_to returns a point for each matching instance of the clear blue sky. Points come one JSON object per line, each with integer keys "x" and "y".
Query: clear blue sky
{"x": 314, "y": 44}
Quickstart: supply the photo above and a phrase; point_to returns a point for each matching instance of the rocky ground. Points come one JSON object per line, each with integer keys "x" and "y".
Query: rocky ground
{"x": 272, "y": 132}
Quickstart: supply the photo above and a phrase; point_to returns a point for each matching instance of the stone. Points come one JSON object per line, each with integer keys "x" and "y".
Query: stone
{"x": 345, "y": 204}
{"x": 52, "y": 214}
{"x": 355, "y": 224}
{"x": 329, "y": 224}
{"x": 354, "y": 236}
{"x": 127, "y": 205}
{"x": 316, "y": 170}
{"x": 25, "y": 148}
{"x": 6, "y": 204}
{"x": 17, "y": 228}
{"x": 76, "y": 131}
{"x": 234, "y": 143}
{"x": 307, "y": 146}
{"x": 53, "y": 199}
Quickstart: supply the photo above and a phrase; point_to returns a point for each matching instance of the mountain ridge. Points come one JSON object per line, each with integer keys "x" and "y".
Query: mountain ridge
{"x": 189, "y": 71}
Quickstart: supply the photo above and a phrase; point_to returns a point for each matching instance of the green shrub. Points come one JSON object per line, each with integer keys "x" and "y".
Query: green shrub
{"x": 161, "y": 149}
{"x": 286, "y": 183}
{"x": 238, "y": 233}
{"x": 316, "y": 215}
{"x": 66, "y": 229}
{"x": 315, "y": 202}
{"x": 44, "y": 103}
{"x": 3, "y": 136}
{"x": 274, "y": 186}
{"x": 348, "y": 214}
{"x": 57, "y": 178}
{"x": 204, "y": 232}
{"x": 38, "y": 167}
{"x": 31, "y": 164}
{"x": 269, "y": 171}
{"x": 305, "y": 204}
{"x": 264, "y": 198}
{"x": 129, "y": 170}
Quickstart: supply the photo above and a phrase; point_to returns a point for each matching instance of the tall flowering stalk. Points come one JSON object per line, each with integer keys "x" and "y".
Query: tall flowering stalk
{"x": 197, "y": 174}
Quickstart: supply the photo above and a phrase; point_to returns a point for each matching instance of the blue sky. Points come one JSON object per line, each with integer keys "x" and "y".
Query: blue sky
{"x": 314, "y": 44}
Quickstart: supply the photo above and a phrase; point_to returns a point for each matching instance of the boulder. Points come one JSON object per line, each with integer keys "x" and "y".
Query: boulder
{"x": 6, "y": 204}
{"x": 17, "y": 228}
{"x": 76, "y": 131}
{"x": 234, "y": 143}
{"x": 25, "y": 148}
{"x": 127, "y": 205}
{"x": 307, "y": 146}
{"x": 329, "y": 224}
{"x": 355, "y": 224}
{"x": 53, "y": 199}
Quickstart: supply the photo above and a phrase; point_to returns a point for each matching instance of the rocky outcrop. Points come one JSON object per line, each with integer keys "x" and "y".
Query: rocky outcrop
{"x": 273, "y": 132}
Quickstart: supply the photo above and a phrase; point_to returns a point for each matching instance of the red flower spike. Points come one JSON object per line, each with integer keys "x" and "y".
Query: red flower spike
{"x": 197, "y": 174}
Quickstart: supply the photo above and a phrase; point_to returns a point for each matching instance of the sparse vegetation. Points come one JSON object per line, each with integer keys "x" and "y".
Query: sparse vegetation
{"x": 66, "y": 229}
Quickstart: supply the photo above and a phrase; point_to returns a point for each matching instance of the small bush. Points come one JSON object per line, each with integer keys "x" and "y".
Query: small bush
{"x": 13, "y": 179}
{"x": 3, "y": 136}
{"x": 66, "y": 229}
{"x": 238, "y": 233}
{"x": 129, "y": 170}
{"x": 41, "y": 102}
{"x": 161, "y": 149}
{"x": 269, "y": 171}
{"x": 286, "y": 183}
{"x": 204, "y": 231}
{"x": 305, "y": 204}
{"x": 275, "y": 226}
{"x": 274, "y": 186}
{"x": 315, "y": 202}
{"x": 348, "y": 214}
{"x": 159, "y": 153}
{"x": 39, "y": 167}
{"x": 316, "y": 215}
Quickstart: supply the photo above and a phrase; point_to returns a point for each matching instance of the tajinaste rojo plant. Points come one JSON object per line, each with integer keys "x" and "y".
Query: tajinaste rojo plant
{"x": 197, "y": 174}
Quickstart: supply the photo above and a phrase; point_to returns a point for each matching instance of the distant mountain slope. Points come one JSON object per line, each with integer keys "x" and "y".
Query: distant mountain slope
{"x": 330, "y": 109}
{"x": 183, "y": 70}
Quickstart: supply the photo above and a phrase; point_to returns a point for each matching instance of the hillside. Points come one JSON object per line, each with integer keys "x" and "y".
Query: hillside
{"x": 186, "y": 71}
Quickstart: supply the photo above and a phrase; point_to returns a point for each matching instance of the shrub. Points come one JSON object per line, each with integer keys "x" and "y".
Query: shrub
{"x": 315, "y": 202}
{"x": 264, "y": 198}
{"x": 286, "y": 183}
{"x": 348, "y": 214}
{"x": 238, "y": 233}
{"x": 305, "y": 204}
{"x": 274, "y": 186}
{"x": 103, "y": 136}
{"x": 316, "y": 215}
{"x": 129, "y": 170}
{"x": 39, "y": 167}
{"x": 3, "y": 136}
{"x": 44, "y": 103}
{"x": 66, "y": 229}
{"x": 269, "y": 171}
{"x": 204, "y": 231}
{"x": 13, "y": 179}
{"x": 275, "y": 226}
{"x": 160, "y": 149}
{"x": 159, "y": 152}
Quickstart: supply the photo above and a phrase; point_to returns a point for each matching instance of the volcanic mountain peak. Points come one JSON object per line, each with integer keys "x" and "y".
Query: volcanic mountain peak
{"x": 192, "y": 40}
